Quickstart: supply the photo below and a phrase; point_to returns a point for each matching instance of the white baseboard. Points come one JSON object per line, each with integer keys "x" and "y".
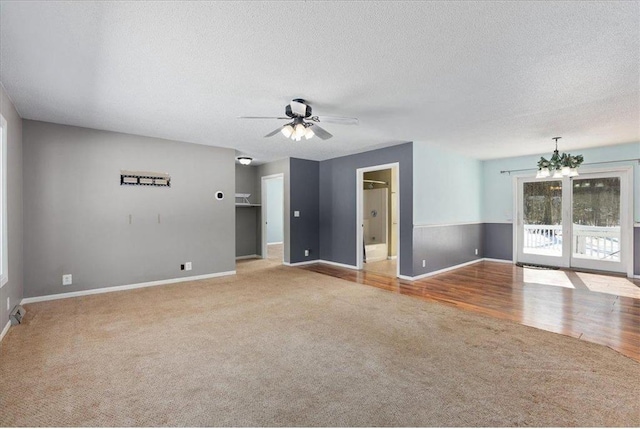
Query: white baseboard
{"x": 123, "y": 287}
{"x": 5, "y": 330}
{"x": 297, "y": 264}
{"x": 337, "y": 264}
{"x": 502, "y": 261}
{"x": 392, "y": 257}
{"x": 238, "y": 258}
{"x": 444, "y": 270}
{"x": 274, "y": 243}
{"x": 455, "y": 267}
{"x": 406, "y": 278}
{"x": 637, "y": 276}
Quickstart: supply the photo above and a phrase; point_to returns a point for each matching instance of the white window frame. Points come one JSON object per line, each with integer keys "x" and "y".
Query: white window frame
{"x": 4, "y": 265}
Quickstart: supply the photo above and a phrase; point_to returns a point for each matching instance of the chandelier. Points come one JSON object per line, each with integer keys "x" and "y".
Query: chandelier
{"x": 559, "y": 165}
{"x": 298, "y": 129}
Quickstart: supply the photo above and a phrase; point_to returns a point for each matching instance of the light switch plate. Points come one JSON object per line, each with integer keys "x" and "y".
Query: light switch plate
{"x": 66, "y": 280}
{"x": 296, "y": 213}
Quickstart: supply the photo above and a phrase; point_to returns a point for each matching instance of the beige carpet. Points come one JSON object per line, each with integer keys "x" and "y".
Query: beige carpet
{"x": 279, "y": 346}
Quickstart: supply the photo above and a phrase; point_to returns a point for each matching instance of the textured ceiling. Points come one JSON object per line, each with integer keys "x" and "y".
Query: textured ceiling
{"x": 486, "y": 79}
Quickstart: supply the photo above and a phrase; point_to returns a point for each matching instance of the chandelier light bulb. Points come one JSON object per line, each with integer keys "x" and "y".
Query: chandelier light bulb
{"x": 287, "y": 130}
{"x": 300, "y": 131}
{"x": 542, "y": 173}
{"x": 309, "y": 133}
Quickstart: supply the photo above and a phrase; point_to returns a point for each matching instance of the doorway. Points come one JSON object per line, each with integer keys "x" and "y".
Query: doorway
{"x": 576, "y": 222}
{"x": 272, "y": 190}
{"x": 378, "y": 218}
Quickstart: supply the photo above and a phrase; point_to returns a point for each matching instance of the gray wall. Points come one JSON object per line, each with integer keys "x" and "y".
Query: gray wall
{"x": 498, "y": 241}
{"x": 13, "y": 289}
{"x": 278, "y": 167}
{"x": 247, "y": 218}
{"x": 77, "y": 213}
{"x": 246, "y": 182}
{"x": 338, "y": 203}
{"x": 305, "y": 197}
{"x": 445, "y": 246}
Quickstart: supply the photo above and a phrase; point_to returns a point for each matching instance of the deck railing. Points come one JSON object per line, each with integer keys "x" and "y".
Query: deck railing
{"x": 547, "y": 238}
{"x": 596, "y": 242}
{"x": 599, "y": 242}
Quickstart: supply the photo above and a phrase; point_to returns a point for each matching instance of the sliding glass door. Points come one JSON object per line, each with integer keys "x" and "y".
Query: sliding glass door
{"x": 597, "y": 226}
{"x": 577, "y": 222}
{"x": 542, "y": 224}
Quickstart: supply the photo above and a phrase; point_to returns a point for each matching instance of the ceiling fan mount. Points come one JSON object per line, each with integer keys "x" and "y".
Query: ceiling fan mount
{"x": 300, "y": 111}
{"x": 298, "y": 108}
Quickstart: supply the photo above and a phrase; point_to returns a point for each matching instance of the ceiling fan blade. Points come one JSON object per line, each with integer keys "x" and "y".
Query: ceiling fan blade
{"x": 335, "y": 120}
{"x": 321, "y": 132}
{"x": 263, "y": 117}
{"x": 274, "y": 132}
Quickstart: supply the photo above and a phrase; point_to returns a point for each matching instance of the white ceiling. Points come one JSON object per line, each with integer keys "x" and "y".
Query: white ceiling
{"x": 486, "y": 79}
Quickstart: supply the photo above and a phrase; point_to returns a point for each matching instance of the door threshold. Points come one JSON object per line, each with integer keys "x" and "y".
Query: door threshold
{"x": 573, "y": 269}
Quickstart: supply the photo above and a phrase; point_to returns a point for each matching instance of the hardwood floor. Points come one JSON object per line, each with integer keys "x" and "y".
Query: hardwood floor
{"x": 564, "y": 302}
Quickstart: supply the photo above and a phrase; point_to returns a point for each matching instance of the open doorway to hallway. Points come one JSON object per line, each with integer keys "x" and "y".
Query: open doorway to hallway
{"x": 379, "y": 219}
{"x": 273, "y": 217}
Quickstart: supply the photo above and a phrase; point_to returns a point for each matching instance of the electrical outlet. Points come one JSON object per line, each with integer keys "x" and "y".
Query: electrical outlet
{"x": 296, "y": 213}
{"x": 424, "y": 263}
{"x": 8, "y": 303}
{"x": 66, "y": 279}
{"x": 476, "y": 251}
{"x": 187, "y": 266}
{"x": 306, "y": 252}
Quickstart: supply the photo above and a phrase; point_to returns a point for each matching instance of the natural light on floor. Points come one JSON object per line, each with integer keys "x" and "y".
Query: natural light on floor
{"x": 612, "y": 285}
{"x": 609, "y": 284}
{"x": 547, "y": 277}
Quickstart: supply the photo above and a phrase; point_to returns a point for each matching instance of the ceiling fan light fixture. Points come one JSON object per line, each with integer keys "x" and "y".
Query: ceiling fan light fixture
{"x": 287, "y": 130}
{"x": 309, "y": 133}
{"x": 244, "y": 160}
{"x": 300, "y": 131}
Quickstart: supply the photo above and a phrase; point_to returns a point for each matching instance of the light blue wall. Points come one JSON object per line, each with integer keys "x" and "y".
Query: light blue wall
{"x": 498, "y": 188}
{"x": 447, "y": 186}
{"x": 275, "y": 217}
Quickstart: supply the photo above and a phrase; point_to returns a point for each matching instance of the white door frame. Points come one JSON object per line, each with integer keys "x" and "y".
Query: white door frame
{"x": 395, "y": 177}
{"x": 626, "y": 211}
{"x": 518, "y": 233}
{"x": 263, "y": 212}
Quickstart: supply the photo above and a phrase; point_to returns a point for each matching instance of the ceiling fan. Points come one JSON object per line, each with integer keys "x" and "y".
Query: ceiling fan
{"x": 304, "y": 124}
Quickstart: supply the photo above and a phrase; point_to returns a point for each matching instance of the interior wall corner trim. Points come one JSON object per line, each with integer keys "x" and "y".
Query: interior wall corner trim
{"x": 254, "y": 256}
{"x": 5, "y": 330}
{"x": 123, "y": 287}
{"x": 297, "y": 264}
{"x": 338, "y": 264}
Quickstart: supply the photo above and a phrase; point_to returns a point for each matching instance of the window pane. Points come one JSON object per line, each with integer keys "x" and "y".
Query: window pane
{"x": 542, "y": 214}
{"x": 596, "y": 219}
